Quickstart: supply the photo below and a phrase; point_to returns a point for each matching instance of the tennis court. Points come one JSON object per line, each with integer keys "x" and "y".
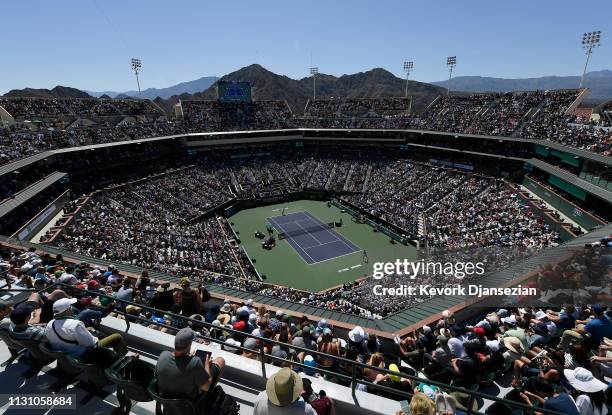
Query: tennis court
{"x": 313, "y": 240}
{"x": 283, "y": 265}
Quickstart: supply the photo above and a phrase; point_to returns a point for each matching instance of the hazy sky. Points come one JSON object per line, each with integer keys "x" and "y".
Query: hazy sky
{"x": 88, "y": 43}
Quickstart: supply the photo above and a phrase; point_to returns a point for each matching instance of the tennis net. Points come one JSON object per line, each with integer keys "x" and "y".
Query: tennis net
{"x": 304, "y": 231}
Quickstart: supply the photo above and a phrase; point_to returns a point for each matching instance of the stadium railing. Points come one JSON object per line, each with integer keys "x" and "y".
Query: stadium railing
{"x": 264, "y": 357}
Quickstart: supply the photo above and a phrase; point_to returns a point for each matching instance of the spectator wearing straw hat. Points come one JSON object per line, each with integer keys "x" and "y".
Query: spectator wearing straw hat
{"x": 283, "y": 396}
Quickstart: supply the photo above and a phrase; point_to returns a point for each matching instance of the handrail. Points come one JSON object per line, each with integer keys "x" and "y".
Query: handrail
{"x": 353, "y": 364}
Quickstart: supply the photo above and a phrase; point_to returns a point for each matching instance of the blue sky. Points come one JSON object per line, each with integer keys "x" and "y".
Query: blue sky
{"x": 88, "y": 43}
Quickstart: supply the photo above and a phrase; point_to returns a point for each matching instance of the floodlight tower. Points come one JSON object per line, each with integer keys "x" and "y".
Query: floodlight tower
{"x": 314, "y": 71}
{"x": 590, "y": 40}
{"x": 408, "y": 66}
{"x": 136, "y": 65}
{"x": 451, "y": 62}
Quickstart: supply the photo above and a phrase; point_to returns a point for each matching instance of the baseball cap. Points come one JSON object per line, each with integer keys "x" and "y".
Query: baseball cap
{"x": 183, "y": 338}
{"x": 479, "y": 331}
{"x": 21, "y": 313}
{"x": 511, "y": 320}
{"x": 93, "y": 284}
{"x": 311, "y": 363}
{"x": 540, "y": 315}
{"x": 63, "y": 304}
{"x": 250, "y": 343}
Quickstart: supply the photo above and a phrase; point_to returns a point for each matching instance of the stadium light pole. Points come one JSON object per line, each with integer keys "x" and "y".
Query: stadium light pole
{"x": 314, "y": 71}
{"x": 590, "y": 40}
{"x": 408, "y": 66}
{"x": 136, "y": 65}
{"x": 451, "y": 62}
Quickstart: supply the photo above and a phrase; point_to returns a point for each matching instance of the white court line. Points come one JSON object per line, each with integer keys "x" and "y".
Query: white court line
{"x": 326, "y": 243}
{"x": 343, "y": 269}
{"x": 316, "y": 220}
{"x": 304, "y": 259}
{"x": 322, "y": 228}
{"x": 297, "y": 222}
{"x": 355, "y": 266}
{"x": 343, "y": 240}
{"x": 340, "y": 256}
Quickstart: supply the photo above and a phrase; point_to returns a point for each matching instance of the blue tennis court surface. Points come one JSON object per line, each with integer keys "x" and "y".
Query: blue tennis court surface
{"x": 313, "y": 240}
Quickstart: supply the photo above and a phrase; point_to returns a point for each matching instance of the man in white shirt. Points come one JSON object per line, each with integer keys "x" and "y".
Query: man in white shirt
{"x": 68, "y": 334}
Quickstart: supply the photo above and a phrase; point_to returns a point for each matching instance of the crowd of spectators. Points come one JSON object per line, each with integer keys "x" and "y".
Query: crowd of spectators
{"x": 40, "y": 109}
{"x": 533, "y": 114}
{"x": 391, "y": 185}
{"x": 18, "y": 142}
{"x": 356, "y": 107}
{"x": 120, "y": 226}
{"x": 483, "y": 215}
{"x": 555, "y": 358}
{"x": 164, "y": 222}
{"x": 210, "y": 116}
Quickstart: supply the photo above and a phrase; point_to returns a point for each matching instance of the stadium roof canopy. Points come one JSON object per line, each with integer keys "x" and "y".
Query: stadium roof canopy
{"x": 598, "y": 191}
{"x": 24, "y": 162}
{"x": 29, "y": 192}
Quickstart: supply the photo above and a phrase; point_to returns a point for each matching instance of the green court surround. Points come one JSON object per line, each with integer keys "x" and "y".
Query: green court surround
{"x": 283, "y": 266}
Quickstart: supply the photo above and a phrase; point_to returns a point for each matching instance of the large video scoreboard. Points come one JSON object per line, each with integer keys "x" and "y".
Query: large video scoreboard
{"x": 232, "y": 91}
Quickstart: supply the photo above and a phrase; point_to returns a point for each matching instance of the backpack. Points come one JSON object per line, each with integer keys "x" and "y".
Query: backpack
{"x": 219, "y": 403}
{"x": 321, "y": 405}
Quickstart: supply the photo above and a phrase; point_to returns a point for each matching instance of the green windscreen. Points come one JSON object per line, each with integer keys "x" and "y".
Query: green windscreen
{"x": 541, "y": 150}
{"x": 567, "y": 187}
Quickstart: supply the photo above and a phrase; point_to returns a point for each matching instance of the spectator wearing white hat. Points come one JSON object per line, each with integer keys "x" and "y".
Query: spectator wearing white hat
{"x": 590, "y": 398}
{"x": 515, "y": 328}
{"x": 357, "y": 339}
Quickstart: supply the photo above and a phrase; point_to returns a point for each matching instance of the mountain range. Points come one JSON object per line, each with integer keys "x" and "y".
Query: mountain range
{"x": 599, "y": 82}
{"x": 57, "y": 92}
{"x": 375, "y": 83}
{"x": 189, "y": 87}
